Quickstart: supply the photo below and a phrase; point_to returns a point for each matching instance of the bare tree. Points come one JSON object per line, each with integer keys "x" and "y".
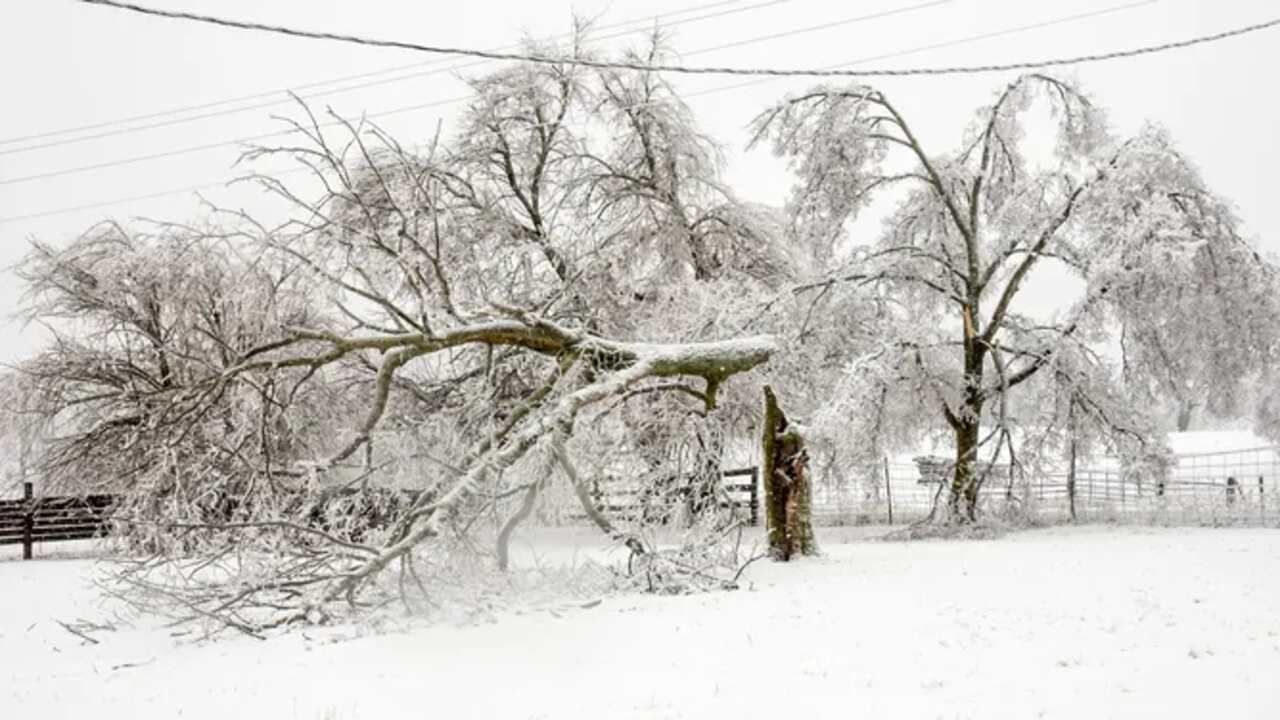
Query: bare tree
{"x": 143, "y": 322}
{"x": 969, "y": 229}
{"x": 433, "y": 325}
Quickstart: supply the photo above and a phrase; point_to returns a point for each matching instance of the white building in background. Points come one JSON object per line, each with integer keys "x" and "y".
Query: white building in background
{"x": 1201, "y": 442}
{"x": 1220, "y": 457}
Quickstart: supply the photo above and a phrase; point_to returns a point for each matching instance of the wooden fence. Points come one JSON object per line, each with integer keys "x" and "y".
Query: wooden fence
{"x": 750, "y": 487}
{"x": 739, "y": 491}
{"x": 33, "y": 520}
{"x": 1238, "y": 487}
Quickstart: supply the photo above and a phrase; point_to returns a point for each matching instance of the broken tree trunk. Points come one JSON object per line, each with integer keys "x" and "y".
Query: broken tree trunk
{"x": 788, "y": 497}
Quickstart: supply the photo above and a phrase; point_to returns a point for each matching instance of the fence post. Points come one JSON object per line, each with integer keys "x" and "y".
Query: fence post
{"x": 1071, "y": 479}
{"x": 888, "y": 491}
{"x": 28, "y": 520}
{"x": 755, "y": 496}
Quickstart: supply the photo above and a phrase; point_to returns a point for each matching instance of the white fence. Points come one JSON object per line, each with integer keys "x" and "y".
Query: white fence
{"x": 1232, "y": 487}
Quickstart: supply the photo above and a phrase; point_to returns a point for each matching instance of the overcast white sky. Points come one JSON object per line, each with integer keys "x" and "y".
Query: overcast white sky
{"x": 67, "y": 64}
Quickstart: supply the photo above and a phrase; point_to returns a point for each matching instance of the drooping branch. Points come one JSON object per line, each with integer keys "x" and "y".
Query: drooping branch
{"x": 633, "y": 543}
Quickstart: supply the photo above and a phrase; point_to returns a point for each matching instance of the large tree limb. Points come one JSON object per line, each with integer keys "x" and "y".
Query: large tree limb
{"x": 712, "y": 360}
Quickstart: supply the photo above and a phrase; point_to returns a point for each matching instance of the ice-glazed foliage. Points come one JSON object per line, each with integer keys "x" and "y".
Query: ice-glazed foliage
{"x": 1267, "y": 405}
{"x": 426, "y": 324}
{"x": 654, "y": 183}
{"x": 582, "y": 198}
{"x": 834, "y": 142}
{"x": 586, "y": 198}
{"x": 1195, "y": 303}
{"x": 143, "y": 320}
{"x": 1130, "y": 219}
{"x": 563, "y": 288}
{"x": 583, "y": 195}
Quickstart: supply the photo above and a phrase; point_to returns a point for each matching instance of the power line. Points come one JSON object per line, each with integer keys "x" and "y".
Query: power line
{"x": 139, "y": 198}
{"x": 277, "y": 101}
{"x": 320, "y": 83}
{"x": 685, "y": 69}
{"x": 436, "y": 103}
{"x": 709, "y": 91}
{"x": 825, "y": 26}
{"x": 1015, "y": 30}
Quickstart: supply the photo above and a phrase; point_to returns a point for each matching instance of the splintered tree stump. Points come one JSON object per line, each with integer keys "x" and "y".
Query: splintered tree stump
{"x": 788, "y": 498}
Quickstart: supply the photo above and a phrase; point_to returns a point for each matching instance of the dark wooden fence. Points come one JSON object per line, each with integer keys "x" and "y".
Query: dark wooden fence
{"x": 32, "y": 520}
{"x": 655, "y": 503}
{"x": 747, "y": 490}
{"x": 49, "y": 519}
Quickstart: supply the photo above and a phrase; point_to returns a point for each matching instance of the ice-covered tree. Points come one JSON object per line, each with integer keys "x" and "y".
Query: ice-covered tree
{"x": 142, "y": 321}
{"x": 23, "y": 430}
{"x": 1131, "y": 219}
{"x": 528, "y": 291}
{"x": 1196, "y": 332}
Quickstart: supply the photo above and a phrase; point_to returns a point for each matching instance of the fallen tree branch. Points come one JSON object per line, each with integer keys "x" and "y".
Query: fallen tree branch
{"x": 633, "y": 543}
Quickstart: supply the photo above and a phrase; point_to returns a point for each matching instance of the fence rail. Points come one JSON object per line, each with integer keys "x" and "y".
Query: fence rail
{"x": 1237, "y": 488}
{"x": 738, "y": 491}
{"x": 33, "y": 520}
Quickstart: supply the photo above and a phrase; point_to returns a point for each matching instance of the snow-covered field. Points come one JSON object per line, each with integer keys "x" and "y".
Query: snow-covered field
{"x": 1090, "y": 622}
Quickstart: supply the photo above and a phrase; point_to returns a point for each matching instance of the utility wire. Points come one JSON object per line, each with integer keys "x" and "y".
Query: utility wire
{"x": 761, "y": 80}
{"x": 274, "y": 99}
{"x": 318, "y": 83}
{"x": 436, "y": 103}
{"x": 709, "y": 91}
{"x": 139, "y": 198}
{"x": 686, "y": 69}
{"x": 965, "y": 40}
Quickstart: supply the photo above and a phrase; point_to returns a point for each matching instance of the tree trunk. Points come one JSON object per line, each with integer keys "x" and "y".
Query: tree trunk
{"x": 787, "y": 492}
{"x": 1185, "y": 412}
{"x": 963, "y": 500}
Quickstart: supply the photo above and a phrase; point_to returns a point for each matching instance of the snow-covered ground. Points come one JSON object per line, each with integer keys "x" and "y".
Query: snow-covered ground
{"x": 1091, "y": 622}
